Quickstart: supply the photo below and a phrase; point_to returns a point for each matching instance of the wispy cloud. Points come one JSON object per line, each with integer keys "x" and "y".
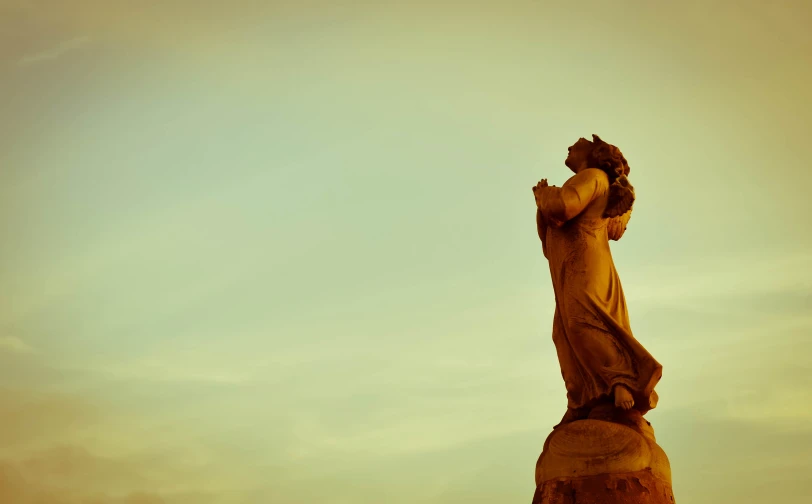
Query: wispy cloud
{"x": 14, "y": 344}
{"x": 54, "y": 52}
{"x": 168, "y": 371}
{"x": 72, "y": 475}
{"x": 690, "y": 284}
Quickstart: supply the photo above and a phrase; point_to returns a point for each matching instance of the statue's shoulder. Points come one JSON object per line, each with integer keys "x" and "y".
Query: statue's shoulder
{"x": 597, "y": 173}
{"x": 589, "y": 175}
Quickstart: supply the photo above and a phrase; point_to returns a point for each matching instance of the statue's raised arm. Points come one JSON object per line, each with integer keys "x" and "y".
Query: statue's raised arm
{"x": 561, "y": 204}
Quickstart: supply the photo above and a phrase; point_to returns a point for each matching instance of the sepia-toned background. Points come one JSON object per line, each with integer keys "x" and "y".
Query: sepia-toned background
{"x": 285, "y": 251}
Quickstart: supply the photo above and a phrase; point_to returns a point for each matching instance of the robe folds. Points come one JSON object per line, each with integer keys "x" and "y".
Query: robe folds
{"x": 591, "y": 331}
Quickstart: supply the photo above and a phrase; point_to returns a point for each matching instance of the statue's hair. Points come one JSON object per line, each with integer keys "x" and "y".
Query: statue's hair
{"x": 608, "y": 158}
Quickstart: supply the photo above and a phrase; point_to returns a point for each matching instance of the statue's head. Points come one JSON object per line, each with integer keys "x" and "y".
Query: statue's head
{"x": 584, "y": 154}
{"x": 578, "y": 155}
{"x": 608, "y": 158}
{"x": 597, "y": 154}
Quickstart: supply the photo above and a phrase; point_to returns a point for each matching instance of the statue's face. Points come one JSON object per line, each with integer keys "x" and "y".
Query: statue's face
{"x": 578, "y": 152}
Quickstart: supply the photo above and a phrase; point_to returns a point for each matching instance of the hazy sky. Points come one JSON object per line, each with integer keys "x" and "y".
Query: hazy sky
{"x": 285, "y": 252}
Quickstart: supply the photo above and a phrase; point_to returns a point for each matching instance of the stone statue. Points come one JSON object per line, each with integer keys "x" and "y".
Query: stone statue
{"x": 608, "y": 375}
{"x": 600, "y": 359}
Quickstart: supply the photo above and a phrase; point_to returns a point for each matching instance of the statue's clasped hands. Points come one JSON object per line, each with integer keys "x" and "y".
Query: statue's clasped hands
{"x": 537, "y": 189}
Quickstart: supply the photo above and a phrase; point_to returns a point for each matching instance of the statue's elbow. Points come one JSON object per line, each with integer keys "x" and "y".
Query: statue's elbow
{"x": 571, "y": 213}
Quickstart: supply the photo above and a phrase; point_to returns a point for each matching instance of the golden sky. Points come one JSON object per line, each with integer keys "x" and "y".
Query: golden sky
{"x": 285, "y": 251}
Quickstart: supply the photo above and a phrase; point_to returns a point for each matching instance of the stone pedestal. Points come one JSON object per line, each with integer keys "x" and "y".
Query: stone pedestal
{"x": 603, "y": 462}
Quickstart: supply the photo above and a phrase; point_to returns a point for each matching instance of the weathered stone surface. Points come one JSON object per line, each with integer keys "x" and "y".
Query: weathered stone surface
{"x": 603, "y": 462}
{"x": 640, "y": 487}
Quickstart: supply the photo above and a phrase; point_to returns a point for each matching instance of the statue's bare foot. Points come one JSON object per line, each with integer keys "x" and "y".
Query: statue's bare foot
{"x": 623, "y": 398}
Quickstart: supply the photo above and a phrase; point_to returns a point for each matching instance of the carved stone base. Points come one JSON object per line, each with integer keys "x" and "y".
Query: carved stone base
{"x": 603, "y": 462}
{"x": 630, "y": 488}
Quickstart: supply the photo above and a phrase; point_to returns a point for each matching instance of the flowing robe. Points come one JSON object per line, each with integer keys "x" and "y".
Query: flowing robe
{"x": 591, "y": 331}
